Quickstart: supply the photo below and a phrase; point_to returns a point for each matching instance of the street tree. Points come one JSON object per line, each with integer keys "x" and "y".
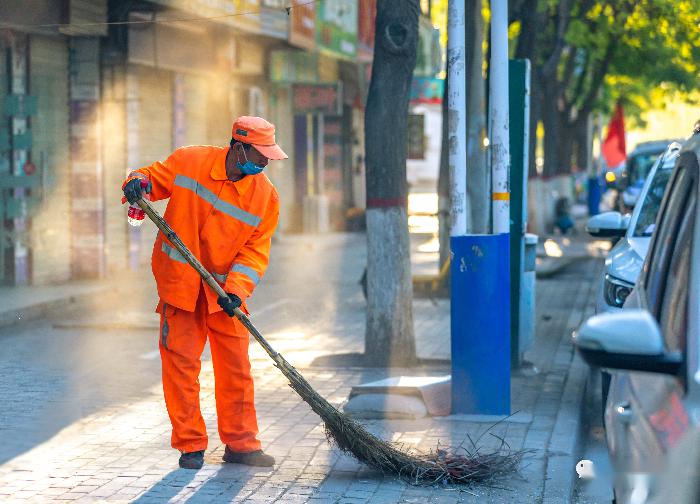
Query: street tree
{"x": 586, "y": 54}
{"x": 389, "y": 338}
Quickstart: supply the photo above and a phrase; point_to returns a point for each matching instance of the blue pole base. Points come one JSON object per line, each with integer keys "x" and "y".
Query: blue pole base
{"x": 480, "y": 323}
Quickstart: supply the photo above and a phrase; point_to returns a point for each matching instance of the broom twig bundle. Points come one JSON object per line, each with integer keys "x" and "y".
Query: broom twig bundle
{"x": 441, "y": 466}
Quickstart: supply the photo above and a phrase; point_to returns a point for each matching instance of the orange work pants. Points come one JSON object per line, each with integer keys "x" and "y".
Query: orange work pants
{"x": 182, "y": 338}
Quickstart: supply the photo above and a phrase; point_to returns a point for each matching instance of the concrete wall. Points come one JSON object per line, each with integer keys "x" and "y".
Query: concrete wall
{"x": 115, "y": 166}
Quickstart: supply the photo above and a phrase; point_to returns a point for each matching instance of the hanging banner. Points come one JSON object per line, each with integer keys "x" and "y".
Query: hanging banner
{"x": 302, "y": 27}
{"x": 367, "y": 17}
{"x": 336, "y": 27}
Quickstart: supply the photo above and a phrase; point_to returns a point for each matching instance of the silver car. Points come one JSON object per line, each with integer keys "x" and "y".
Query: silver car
{"x": 624, "y": 262}
{"x": 652, "y": 347}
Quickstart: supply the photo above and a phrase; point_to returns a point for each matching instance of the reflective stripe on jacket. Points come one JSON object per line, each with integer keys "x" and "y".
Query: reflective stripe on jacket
{"x": 226, "y": 225}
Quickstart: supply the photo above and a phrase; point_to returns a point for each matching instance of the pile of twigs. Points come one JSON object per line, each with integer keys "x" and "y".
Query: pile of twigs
{"x": 441, "y": 466}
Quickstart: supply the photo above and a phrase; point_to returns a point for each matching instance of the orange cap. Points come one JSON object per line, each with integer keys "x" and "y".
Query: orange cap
{"x": 259, "y": 133}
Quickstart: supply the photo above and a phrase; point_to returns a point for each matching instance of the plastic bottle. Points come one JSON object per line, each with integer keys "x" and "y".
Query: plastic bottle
{"x": 135, "y": 215}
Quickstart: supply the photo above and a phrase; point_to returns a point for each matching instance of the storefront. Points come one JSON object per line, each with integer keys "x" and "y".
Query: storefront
{"x": 49, "y": 229}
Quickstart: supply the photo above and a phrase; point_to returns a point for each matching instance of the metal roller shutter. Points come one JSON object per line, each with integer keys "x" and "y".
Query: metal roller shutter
{"x": 155, "y": 132}
{"x": 50, "y": 229}
{"x": 195, "y": 97}
{"x": 5, "y": 154}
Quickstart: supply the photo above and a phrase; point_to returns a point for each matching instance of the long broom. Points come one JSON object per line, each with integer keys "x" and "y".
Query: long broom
{"x": 436, "y": 467}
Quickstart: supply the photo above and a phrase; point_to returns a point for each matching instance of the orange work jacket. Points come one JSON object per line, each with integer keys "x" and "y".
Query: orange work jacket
{"x": 226, "y": 225}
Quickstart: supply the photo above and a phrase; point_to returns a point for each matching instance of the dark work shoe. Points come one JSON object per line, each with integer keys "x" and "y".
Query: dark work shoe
{"x": 192, "y": 460}
{"x": 255, "y": 458}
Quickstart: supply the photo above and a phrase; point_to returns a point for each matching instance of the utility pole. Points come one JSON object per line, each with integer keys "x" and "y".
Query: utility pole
{"x": 457, "y": 116}
{"x": 477, "y": 172}
{"x": 498, "y": 103}
{"x": 480, "y": 267}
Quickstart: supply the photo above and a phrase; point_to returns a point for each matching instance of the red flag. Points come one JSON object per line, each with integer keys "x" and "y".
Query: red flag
{"x": 613, "y": 147}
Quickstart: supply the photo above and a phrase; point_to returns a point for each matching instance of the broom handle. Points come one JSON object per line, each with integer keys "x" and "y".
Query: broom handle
{"x": 207, "y": 277}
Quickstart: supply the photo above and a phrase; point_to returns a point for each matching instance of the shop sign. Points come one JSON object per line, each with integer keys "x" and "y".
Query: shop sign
{"x": 274, "y": 20}
{"x": 367, "y": 17}
{"x": 247, "y": 14}
{"x": 206, "y": 8}
{"x": 336, "y": 27}
{"x": 416, "y": 136}
{"x": 317, "y": 99}
{"x": 244, "y": 14}
{"x": 293, "y": 66}
{"x": 302, "y": 24}
{"x": 427, "y": 90}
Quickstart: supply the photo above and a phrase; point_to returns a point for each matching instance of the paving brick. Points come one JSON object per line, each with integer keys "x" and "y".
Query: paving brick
{"x": 121, "y": 451}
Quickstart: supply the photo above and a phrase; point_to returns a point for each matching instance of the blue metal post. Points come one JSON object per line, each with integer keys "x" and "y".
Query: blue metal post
{"x": 480, "y": 324}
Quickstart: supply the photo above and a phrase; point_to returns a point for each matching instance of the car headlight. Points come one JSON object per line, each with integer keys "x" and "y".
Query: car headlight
{"x": 616, "y": 291}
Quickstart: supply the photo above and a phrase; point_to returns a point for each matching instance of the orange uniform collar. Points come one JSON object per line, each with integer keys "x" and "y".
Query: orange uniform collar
{"x": 218, "y": 172}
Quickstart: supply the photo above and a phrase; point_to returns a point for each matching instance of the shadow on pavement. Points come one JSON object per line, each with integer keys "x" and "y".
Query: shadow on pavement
{"x": 172, "y": 484}
{"x": 224, "y": 484}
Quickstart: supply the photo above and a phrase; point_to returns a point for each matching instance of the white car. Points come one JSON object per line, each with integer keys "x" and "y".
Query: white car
{"x": 624, "y": 262}
{"x": 652, "y": 347}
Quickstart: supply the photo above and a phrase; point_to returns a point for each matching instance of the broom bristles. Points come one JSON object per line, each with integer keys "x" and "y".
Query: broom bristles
{"x": 440, "y": 466}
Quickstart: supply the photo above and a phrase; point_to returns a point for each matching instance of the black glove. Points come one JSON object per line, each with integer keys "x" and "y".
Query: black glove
{"x": 134, "y": 189}
{"x": 230, "y": 303}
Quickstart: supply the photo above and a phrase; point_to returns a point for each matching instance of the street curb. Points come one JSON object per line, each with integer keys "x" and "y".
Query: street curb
{"x": 563, "y": 445}
{"x": 40, "y": 309}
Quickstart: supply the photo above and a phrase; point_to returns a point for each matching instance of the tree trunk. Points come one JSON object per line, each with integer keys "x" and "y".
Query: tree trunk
{"x": 478, "y": 176}
{"x": 389, "y": 336}
{"x": 582, "y": 143}
{"x": 552, "y": 130}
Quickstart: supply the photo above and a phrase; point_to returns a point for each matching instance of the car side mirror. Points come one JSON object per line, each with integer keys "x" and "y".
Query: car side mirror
{"x": 629, "y": 340}
{"x": 608, "y": 224}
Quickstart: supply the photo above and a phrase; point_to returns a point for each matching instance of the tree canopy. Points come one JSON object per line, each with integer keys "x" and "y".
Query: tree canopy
{"x": 588, "y": 54}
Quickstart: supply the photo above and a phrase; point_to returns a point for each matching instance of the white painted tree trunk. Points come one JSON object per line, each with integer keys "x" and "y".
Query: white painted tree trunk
{"x": 390, "y": 337}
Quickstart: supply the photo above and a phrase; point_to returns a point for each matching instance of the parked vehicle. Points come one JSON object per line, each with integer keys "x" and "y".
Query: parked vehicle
{"x": 629, "y": 178}
{"x": 624, "y": 262}
{"x": 680, "y": 483}
{"x": 652, "y": 347}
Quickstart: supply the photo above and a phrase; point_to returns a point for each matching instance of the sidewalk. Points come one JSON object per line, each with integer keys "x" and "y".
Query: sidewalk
{"x": 121, "y": 453}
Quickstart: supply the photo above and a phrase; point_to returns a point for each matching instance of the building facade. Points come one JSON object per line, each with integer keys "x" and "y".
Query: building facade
{"x": 93, "y": 89}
